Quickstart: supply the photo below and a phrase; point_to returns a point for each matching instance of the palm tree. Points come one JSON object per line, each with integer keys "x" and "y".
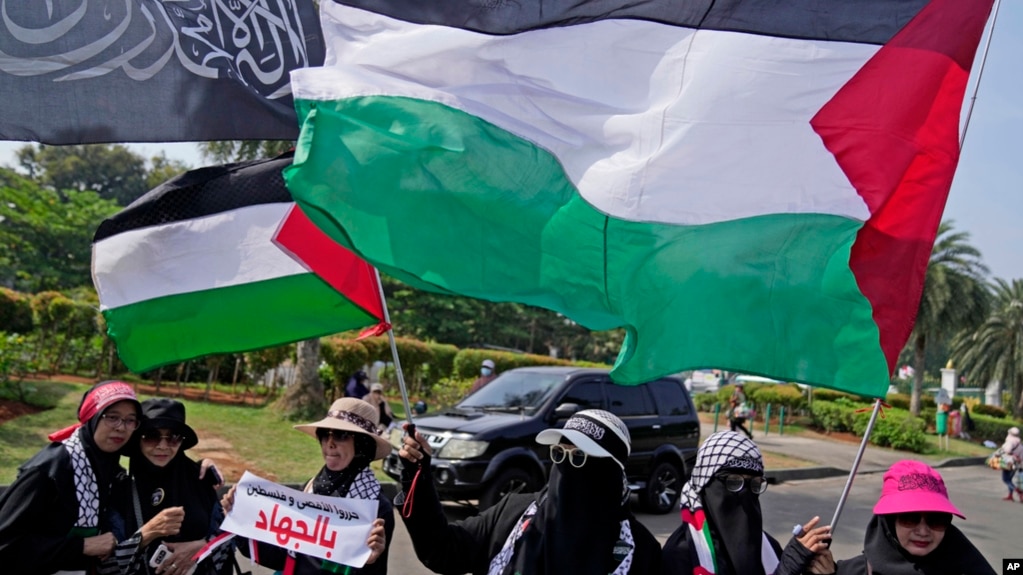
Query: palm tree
{"x": 955, "y": 297}
{"x": 995, "y": 350}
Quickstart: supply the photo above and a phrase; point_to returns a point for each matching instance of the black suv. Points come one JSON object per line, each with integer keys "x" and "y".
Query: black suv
{"x": 484, "y": 447}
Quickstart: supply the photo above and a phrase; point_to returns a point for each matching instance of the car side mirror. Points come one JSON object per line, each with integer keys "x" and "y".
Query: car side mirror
{"x": 566, "y": 410}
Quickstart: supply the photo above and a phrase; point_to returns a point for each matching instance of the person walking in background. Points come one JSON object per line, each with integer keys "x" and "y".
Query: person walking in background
{"x": 1014, "y": 450}
{"x": 722, "y": 527}
{"x": 738, "y": 411}
{"x": 487, "y": 374}
{"x": 966, "y": 422}
{"x": 356, "y": 386}
{"x": 911, "y": 531}
{"x": 167, "y": 499}
{"x": 52, "y": 518}
{"x": 348, "y": 442}
{"x": 578, "y": 524}
{"x": 376, "y": 399}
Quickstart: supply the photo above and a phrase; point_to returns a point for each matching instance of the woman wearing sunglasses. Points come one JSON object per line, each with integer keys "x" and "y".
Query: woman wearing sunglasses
{"x": 578, "y": 524}
{"x": 166, "y": 500}
{"x": 348, "y": 442}
{"x": 722, "y": 529}
{"x": 51, "y": 516}
{"x": 911, "y": 531}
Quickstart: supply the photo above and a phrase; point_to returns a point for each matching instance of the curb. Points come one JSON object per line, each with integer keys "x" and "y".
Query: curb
{"x": 799, "y": 473}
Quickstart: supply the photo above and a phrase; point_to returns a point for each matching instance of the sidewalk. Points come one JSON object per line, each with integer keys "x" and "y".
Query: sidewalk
{"x": 834, "y": 458}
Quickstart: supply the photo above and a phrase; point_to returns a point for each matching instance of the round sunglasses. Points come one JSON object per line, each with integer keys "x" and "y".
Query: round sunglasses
{"x": 576, "y": 457}
{"x": 736, "y": 483}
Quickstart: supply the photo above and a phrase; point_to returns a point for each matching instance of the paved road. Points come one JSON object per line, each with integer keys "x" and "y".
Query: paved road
{"x": 994, "y": 526}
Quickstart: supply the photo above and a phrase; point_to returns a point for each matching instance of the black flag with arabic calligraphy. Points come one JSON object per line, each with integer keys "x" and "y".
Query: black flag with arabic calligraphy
{"x": 96, "y": 71}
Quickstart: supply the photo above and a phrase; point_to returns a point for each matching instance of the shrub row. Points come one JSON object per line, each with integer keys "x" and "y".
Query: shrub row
{"x": 897, "y": 429}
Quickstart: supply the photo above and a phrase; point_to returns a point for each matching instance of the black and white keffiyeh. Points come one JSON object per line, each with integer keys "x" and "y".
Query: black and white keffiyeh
{"x": 85, "y": 482}
{"x": 722, "y": 450}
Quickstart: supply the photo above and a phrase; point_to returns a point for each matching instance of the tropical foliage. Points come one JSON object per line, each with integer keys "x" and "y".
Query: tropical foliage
{"x": 994, "y": 351}
{"x": 954, "y": 298}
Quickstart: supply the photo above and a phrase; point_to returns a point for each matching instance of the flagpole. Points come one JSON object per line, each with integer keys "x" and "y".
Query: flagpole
{"x": 980, "y": 73}
{"x": 856, "y": 464}
{"x": 394, "y": 353}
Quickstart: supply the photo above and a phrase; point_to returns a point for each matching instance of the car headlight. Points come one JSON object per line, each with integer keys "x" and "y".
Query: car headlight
{"x": 396, "y": 436}
{"x": 462, "y": 449}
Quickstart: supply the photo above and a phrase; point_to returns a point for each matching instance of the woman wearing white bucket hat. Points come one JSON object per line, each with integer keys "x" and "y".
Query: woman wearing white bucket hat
{"x": 348, "y": 442}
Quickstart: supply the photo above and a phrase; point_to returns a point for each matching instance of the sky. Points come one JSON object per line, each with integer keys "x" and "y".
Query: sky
{"x": 986, "y": 199}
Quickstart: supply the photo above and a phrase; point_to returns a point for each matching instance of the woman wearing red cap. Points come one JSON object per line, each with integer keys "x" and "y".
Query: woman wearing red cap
{"x": 50, "y": 515}
{"x": 911, "y": 531}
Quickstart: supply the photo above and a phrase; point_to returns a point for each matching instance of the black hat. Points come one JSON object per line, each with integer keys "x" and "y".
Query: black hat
{"x": 169, "y": 414}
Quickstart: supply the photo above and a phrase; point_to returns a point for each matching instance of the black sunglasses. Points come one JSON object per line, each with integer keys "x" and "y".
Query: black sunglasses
{"x": 154, "y": 438}
{"x": 935, "y": 520}
{"x": 336, "y": 434}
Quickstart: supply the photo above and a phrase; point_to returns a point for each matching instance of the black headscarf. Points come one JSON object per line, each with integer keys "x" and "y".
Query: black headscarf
{"x": 173, "y": 485}
{"x": 954, "y": 555}
{"x": 577, "y": 523}
{"x": 337, "y": 483}
{"x": 105, "y": 465}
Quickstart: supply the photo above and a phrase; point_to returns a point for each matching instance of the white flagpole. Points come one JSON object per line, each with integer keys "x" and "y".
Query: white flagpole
{"x": 980, "y": 73}
{"x": 394, "y": 352}
{"x": 856, "y": 464}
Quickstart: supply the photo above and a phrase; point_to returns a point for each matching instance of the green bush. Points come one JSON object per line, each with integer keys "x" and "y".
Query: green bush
{"x": 898, "y": 430}
{"x": 788, "y": 395}
{"x": 344, "y": 356}
{"x": 467, "y": 361}
{"x": 992, "y": 428}
{"x": 443, "y": 362}
{"x": 15, "y": 311}
{"x": 823, "y": 394}
{"x": 706, "y": 400}
{"x": 448, "y": 391}
{"x": 833, "y": 415}
{"x": 991, "y": 410}
{"x": 898, "y": 400}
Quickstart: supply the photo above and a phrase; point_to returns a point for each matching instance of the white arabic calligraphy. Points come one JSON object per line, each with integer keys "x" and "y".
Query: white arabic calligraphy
{"x": 256, "y": 42}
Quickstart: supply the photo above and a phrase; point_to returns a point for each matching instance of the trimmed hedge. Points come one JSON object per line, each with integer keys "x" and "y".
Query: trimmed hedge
{"x": 705, "y": 401}
{"x": 988, "y": 427}
{"x": 345, "y": 357}
{"x": 467, "y": 361}
{"x": 15, "y": 311}
{"x": 991, "y": 411}
{"x": 789, "y": 395}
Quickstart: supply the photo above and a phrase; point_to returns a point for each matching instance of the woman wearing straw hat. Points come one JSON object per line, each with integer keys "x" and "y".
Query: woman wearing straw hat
{"x": 166, "y": 500}
{"x": 911, "y": 531}
{"x": 50, "y": 517}
{"x": 348, "y": 442}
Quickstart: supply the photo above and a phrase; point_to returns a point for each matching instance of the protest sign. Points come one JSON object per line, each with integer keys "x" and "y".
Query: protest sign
{"x": 332, "y": 528}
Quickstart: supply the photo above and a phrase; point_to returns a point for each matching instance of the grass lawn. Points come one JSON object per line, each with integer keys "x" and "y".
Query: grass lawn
{"x": 264, "y": 442}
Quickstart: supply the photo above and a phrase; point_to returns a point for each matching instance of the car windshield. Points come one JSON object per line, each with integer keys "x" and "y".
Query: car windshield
{"x": 514, "y": 391}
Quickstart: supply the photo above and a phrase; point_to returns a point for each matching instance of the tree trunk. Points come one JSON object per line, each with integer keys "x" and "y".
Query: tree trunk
{"x": 304, "y": 398}
{"x": 158, "y": 380}
{"x": 919, "y": 347}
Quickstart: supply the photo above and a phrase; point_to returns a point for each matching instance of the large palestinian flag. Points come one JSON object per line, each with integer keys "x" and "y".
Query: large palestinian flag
{"x": 745, "y": 185}
{"x": 220, "y": 260}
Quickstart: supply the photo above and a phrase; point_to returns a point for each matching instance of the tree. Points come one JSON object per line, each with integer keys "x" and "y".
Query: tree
{"x": 45, "y": 241}
{"x": 111, "y": 170}
{"x": 955, "y": 297}
{"x": 163, "y": 169}
{"x": 305, "y": 398}
{"x": 994, "y": 351}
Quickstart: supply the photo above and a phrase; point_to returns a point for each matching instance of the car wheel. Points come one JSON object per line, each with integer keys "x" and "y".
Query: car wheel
{"x": 512, "y": 480}
{"x": 663, "y": 488}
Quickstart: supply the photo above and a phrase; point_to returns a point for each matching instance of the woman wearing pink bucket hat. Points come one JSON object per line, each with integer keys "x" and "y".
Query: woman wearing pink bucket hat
{"x": 911, "y": 531}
